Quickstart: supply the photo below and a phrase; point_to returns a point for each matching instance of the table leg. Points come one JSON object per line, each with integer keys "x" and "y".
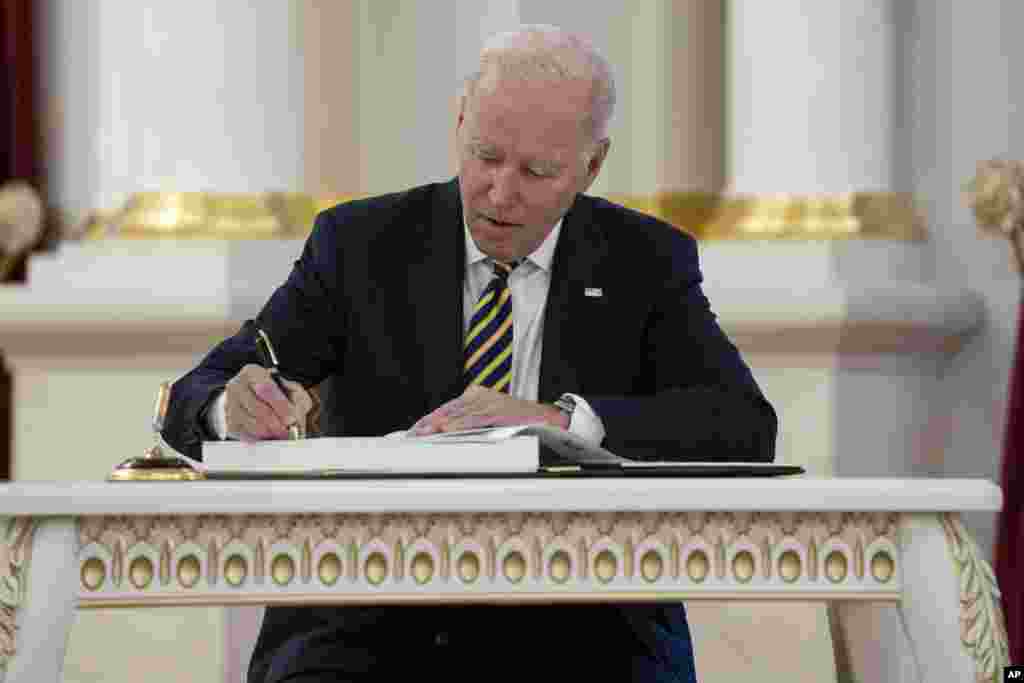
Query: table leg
{"x": 38, "y": 587}
{"x": 870, "y": 644}
{"x": 950, "y": 608}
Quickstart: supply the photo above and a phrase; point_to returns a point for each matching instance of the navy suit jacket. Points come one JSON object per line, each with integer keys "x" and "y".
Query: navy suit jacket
{"x": 374, "y": 307}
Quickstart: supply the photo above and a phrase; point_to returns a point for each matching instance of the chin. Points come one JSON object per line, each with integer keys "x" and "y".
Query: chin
{"x": 495, "y": 251}
{"x": 500, "y": 254}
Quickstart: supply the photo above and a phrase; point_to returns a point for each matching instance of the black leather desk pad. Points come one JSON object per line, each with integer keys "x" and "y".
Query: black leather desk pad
{"x": 635, "y": 470}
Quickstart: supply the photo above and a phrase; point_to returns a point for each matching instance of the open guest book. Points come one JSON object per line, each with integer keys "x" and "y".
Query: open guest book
{"x": 519, "y": 450}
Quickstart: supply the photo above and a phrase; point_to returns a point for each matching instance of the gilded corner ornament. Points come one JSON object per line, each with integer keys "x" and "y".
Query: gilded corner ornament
{"x": 15, "y": 555}
{"x": 982, "y": 627}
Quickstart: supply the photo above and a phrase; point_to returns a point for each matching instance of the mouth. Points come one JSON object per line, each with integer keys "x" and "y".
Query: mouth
{"x": 496, "y": 223}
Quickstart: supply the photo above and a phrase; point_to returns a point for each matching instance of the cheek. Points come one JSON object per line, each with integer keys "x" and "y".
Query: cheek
{"x": 473, "y": 180}
{"x": 550, "y": 202}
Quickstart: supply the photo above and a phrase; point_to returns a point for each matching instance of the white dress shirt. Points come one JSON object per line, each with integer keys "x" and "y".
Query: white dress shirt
{"x": 529, "y": 284}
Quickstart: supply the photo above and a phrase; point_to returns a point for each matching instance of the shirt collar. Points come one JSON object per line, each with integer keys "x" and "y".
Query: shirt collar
{"x": 541, "y": 256}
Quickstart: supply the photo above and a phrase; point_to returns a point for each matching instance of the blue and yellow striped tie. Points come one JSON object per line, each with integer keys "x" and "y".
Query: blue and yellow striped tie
{"x": 488, "y": 350}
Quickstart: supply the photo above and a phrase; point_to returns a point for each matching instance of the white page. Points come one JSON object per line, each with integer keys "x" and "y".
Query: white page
{"x": 373, "y": 454}
{"x": 561, "y": 441}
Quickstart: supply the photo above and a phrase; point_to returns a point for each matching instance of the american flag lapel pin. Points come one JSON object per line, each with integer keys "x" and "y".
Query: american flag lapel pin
{"x": 595, "y": 292}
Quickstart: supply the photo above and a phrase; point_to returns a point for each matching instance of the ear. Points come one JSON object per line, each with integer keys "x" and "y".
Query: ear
{"x": 462, "y": 113}
{"x": 596, "y": 162}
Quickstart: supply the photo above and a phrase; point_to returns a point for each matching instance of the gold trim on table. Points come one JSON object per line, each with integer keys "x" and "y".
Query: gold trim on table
{"x": 708, "y": 216}
{"x": 508, "y": 556}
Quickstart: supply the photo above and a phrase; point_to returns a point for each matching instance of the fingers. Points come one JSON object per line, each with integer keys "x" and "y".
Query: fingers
{"x": 434, "y": 421}
{"x": 482, "y": 407}
{"x": 256, "y": 409}
{"x": 477, "y": 407}
{"x": 467, "y": 422}
{"x": 301, "y": 403}
{"x": 487, "y": 419}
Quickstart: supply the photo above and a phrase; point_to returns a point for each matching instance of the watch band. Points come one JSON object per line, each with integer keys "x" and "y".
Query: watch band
{"x": 567, "y": 404}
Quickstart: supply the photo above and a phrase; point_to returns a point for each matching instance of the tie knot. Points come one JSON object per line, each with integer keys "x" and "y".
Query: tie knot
{"x": 502, "y": 269}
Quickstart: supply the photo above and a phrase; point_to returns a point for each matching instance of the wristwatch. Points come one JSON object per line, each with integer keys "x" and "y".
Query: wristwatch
{"x": 567, "y": 404}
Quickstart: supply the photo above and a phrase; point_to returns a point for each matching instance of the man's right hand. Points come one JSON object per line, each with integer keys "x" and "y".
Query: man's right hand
{"x": 256, "y": 410}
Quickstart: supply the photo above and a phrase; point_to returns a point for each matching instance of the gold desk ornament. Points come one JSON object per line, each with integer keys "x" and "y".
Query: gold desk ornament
{"x": 156, "y": 464}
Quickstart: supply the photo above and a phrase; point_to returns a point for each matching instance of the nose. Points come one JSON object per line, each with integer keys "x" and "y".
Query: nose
{"x": 504, "y": 187}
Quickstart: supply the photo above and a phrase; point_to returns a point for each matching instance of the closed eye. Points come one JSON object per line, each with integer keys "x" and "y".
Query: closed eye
{"x": 483, "y": 154}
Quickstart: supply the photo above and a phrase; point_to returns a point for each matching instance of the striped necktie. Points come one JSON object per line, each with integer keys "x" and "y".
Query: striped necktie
{"x": 488, "y": 349}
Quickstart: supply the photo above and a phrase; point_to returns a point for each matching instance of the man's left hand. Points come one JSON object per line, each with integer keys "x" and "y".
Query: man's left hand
{"x": 482, "y": 407}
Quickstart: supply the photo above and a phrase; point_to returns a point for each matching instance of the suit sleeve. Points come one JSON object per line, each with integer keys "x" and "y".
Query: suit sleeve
{"x": 303, "y": 318}
{"x": 701, "y": 401}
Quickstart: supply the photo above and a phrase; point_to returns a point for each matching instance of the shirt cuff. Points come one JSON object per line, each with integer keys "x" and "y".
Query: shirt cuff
{"x": 585, "y": 423}
{"x": 217, "y": 416}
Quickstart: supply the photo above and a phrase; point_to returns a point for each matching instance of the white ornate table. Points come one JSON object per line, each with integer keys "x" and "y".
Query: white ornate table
{"x": 79, "y": 545}
{"x": 847, "y": 363}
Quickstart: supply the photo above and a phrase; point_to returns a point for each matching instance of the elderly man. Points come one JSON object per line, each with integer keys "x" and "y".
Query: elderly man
{"x": 503, "y": 296}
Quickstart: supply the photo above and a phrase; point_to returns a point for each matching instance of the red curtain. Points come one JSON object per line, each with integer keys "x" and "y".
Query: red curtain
{"x": 19, "y": 96}
{"x": 1010, "y": 539}
{"x": 20, "y": 144}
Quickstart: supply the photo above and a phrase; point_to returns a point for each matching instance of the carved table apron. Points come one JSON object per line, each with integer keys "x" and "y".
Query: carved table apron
{"x": 78, "y": 545}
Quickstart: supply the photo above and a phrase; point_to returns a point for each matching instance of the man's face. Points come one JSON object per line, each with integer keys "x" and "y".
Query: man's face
{"x": 521, "y": 162}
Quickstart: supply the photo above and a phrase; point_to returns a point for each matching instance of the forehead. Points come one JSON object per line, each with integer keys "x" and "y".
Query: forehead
{"x": 540, "y": 118}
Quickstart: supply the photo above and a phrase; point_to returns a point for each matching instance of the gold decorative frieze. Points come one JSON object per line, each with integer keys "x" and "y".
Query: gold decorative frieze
{"x": 466, "y": 557}
{"x": 706, "y": 215}
{"x": 190, "y": 215}
{"x": 858, "y": 215}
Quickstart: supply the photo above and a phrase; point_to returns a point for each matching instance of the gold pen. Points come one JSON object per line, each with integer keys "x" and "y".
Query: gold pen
{"x": 269, "y": 360}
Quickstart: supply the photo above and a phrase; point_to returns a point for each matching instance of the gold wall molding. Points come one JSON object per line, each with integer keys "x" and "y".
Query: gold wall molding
{"x": 713, "y": 216}
{"x": 706, "y": 215}
{"x": 209, "y": 215}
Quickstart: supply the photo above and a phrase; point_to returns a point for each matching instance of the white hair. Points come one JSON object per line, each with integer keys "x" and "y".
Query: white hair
{"x": 547, "y": 53}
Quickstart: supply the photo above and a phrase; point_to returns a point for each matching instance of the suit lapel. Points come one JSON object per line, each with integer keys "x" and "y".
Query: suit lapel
{"x": 437, "y": 278}
{"x": 572, "y": 319}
